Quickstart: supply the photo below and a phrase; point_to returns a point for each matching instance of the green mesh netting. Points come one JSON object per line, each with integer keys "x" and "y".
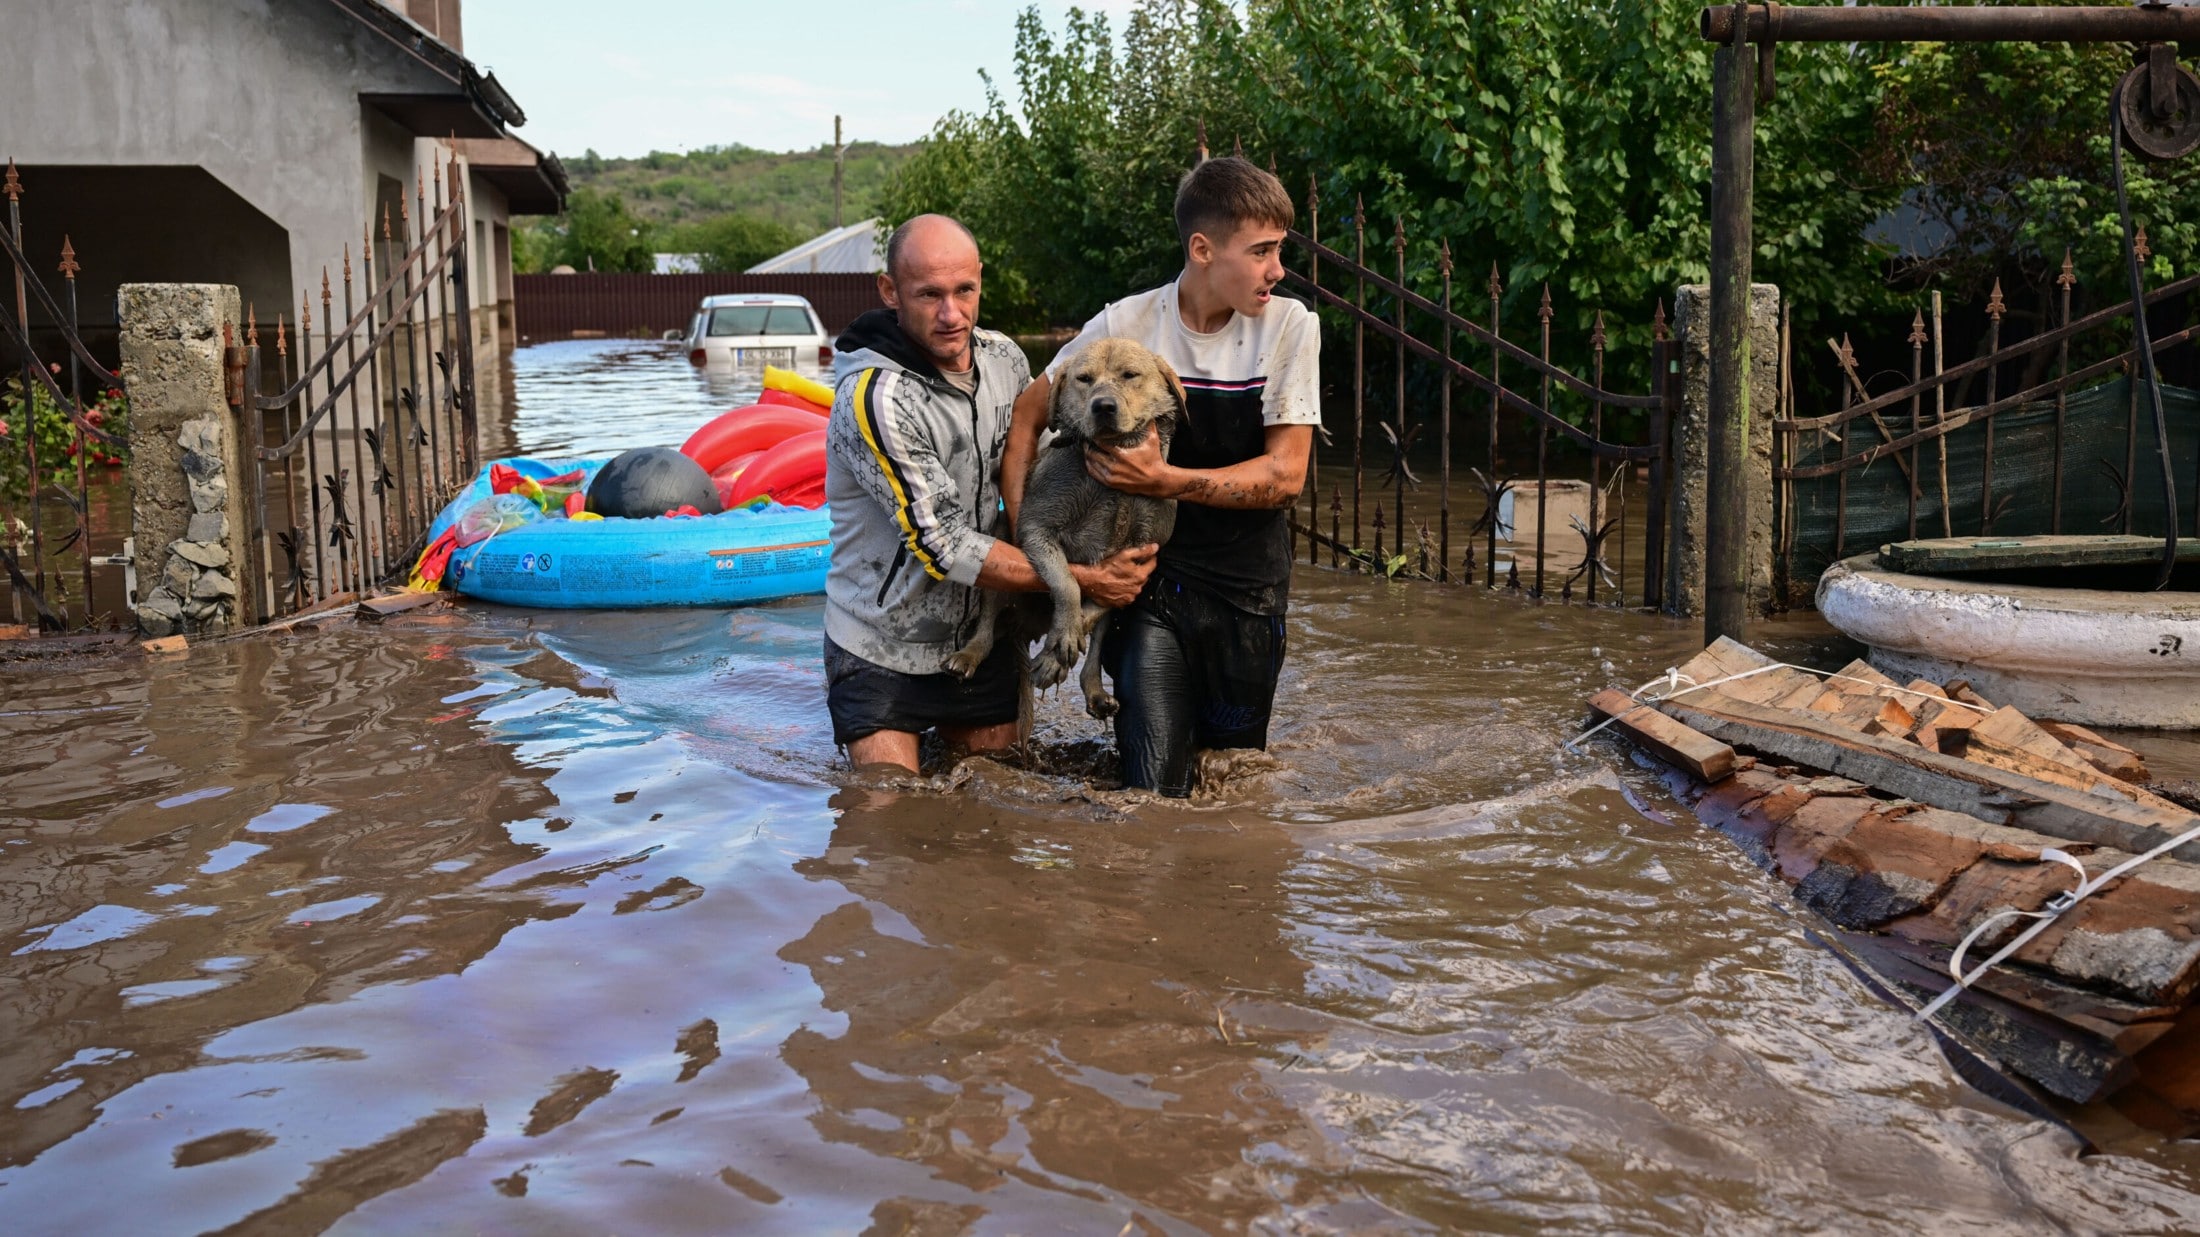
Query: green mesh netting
{"x": 2096, "y": 438}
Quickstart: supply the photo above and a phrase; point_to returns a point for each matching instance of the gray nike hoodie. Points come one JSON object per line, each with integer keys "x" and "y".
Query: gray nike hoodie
{"x": 912, "y": 473}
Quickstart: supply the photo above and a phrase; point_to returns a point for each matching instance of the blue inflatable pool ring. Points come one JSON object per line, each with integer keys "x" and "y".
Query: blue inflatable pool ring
{"x": 744, "y": 555}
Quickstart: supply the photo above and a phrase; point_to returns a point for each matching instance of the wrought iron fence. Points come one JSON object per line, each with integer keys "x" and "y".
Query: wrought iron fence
{"x": 42, "y": 390}
{"x": 2041, "y": 435}
{"x": 360, "y": 437}
{"x": 1503, "y": 411}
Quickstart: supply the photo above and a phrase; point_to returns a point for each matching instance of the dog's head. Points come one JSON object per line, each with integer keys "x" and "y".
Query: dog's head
{"x": 1112, "y": 390}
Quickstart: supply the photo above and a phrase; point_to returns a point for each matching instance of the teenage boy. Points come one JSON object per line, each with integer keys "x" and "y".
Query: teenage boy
{"x": 1195, "y": 657}
{"x": 919, "y": 416}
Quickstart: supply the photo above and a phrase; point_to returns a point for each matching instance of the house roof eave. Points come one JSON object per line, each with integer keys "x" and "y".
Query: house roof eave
{"x": 482, "y": 92}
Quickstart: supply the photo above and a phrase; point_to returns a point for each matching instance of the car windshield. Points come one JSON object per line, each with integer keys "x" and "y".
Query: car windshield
{"x": 761, "y": 320}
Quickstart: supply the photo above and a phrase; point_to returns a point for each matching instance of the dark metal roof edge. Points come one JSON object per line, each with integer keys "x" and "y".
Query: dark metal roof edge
{"x": 483, "y": 90}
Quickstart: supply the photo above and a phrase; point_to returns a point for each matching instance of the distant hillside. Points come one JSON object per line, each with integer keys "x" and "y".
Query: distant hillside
{"x": 792, "y": 189}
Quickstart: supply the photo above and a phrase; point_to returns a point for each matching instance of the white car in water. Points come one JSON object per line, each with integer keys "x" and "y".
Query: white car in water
{"x": 749, "y": 330}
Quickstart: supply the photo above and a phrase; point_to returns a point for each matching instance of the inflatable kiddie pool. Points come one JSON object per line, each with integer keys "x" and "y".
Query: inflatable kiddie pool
{"x": 520, "y": 534}
{"x": 727, "y": 559}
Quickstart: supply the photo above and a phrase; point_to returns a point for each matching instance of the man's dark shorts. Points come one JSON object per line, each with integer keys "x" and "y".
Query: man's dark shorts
{"x": 865, "y": 698}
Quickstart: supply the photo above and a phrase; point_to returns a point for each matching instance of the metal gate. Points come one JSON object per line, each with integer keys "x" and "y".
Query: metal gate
{"x": 40, "y": 391}
{"x": 1505, "y": 419}
{"x": 2046, "y": 434}
{"x": 360, "y": 436}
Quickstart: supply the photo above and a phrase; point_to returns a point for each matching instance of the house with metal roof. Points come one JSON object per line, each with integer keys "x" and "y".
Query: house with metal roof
{"x": 852, "y": 250}
{"x": 252, "y": 142}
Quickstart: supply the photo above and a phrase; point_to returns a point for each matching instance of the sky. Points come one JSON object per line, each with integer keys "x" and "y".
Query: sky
{"x": 631, "y": 76}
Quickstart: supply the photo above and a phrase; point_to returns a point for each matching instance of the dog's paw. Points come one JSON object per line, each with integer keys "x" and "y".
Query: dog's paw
{"x": 965, "y": 663}
{"x": 1102, "y": 705}
{"x": 1051, "y": 666}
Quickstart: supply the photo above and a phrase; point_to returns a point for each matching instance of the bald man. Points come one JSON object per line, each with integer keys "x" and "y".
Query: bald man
{"x": 922, "y": 407}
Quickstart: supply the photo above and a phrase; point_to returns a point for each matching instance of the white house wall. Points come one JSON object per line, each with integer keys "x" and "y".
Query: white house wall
{"x": 261, "y": 94}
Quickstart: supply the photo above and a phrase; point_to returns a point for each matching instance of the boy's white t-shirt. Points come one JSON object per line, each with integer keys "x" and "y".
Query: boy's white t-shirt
{"x": 1254, "y": 373}
{"x": 1276, "y": 355}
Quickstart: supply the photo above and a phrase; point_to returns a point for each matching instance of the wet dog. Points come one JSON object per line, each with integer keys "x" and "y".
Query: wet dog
{"x": 1113, "y": 392}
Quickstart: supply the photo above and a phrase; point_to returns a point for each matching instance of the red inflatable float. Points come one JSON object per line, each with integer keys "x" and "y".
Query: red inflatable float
{"x": 729, "y": 474}
{"x": 792, "y": 473}
{"x": 757, "y": 427}
{"x": 788, "y": 399}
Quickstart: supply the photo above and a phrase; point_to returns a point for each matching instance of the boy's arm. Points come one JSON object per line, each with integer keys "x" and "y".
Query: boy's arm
{"x": 1274, "y": 478}
{"x": 1025, "y": 425}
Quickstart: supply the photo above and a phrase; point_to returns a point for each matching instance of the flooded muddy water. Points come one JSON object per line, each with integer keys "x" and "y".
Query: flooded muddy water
{"x": 520, "y": 921}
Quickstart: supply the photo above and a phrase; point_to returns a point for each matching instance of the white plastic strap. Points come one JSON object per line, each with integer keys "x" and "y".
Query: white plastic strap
{"x": 2046, "y": 915}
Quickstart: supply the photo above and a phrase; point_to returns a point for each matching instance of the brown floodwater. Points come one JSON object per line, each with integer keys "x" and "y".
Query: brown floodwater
{"x": 514, "y": 921}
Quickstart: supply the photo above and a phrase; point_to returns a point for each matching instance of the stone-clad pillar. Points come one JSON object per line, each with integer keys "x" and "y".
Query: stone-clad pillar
{"x": 1684, "y": 589}
{"x": 187, "y": 462}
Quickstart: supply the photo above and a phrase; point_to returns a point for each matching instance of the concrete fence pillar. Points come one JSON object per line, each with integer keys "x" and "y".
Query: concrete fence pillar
{"x": 189, "y": 474}
{"x": 1684, "y": 588}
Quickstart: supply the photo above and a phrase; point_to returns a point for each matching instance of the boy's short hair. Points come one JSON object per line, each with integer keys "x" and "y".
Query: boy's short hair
{"x": 1222, "y": 195}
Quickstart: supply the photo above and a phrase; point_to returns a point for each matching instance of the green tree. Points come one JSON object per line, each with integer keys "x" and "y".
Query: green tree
{"x": 731, "y": 243}
{"x": 2006, "y": 147}
{"x": 1070, "y": 191}
{"x": 598, "y": 233}
{"x": 534, "y": 246}
{"x": 1564, "y": 143}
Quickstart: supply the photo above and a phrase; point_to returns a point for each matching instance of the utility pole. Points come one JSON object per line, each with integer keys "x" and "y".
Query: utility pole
{"x": 840, "y": 155}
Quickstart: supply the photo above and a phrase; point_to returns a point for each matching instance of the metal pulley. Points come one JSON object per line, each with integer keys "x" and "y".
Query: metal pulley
{"x": 2160, "y": 102}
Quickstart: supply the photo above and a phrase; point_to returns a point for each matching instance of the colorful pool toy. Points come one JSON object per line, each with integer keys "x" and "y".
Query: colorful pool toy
{"x": 504, "y": 545}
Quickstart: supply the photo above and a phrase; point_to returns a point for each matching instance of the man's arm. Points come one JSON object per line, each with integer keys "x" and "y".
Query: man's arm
{"x": 894, "y": 460}
{"x": 1113, "y": 582}
{"x": 1274, "y": 478}
{"x": 1025, "y": 425}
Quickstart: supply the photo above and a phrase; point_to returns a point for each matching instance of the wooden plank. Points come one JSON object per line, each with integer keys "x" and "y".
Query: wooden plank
{"x": 1858, "y": 679}
{"x": 2168, "y": 1089}
{"x": 398, "y": 603}
{"x": 1941, "y": 781}
{"x": 1958, "y": 555}
{"x": 1725, "y": 657}
{"x": 2010, "y": 740}
{"x": 167, "y": 644}
{"x": 1960, "y": 689}
{"x": 2107, "y": 755}
{"x": 338, "y": 605}
{"x": 2064, "y": 1057}
{"x": 1676, "y": 744}
{"x": 1892, "y": 720}
{"x": 2009, "y": 728}
{"x": 2114, "y": 1015}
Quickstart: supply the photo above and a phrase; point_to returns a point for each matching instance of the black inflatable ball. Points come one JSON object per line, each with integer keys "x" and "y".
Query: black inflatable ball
{"x": 649, "y": 481}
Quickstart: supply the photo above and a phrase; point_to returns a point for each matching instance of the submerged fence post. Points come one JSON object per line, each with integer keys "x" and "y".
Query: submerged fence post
{"x": 1688, "y": 586}
{"x": 1725, "y": 496}
{"x": 186, "y": 454}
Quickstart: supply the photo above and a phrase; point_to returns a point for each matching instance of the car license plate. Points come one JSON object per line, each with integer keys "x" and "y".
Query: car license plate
{"x": 763, "y": 356}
